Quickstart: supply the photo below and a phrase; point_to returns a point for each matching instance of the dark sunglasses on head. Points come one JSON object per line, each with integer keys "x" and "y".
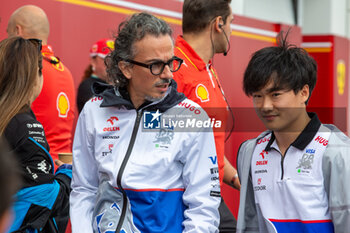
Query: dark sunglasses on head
{"x": 36, "y": 42}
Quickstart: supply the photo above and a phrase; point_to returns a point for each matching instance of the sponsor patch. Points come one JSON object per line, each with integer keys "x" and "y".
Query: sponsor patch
{"x": 260, "y": 171}
{"x": 321, "y": 140}
{"x": 109, "y": 151}
{"x": 164, "y": 137}
{"x": 202, "y": 93}
{"x": 305, "y": 163}
{"x": 111, "y": 122}
{"x": 62, "y": 105}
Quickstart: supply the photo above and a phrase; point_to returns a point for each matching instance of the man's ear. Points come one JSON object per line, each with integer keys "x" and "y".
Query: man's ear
{"x": 305, "y": 93}
{"x": 125, "y": 68}
{"x": 218, "y": 24}
{"x": 19, "y": 30}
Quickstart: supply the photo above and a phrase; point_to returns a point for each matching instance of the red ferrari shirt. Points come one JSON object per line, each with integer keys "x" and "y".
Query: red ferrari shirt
{"x": 200, "y": 83}
{"x": 54, "y": 107}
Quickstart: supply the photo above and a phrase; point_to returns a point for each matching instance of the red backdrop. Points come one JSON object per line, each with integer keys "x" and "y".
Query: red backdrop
{"x": 76, "y": 24}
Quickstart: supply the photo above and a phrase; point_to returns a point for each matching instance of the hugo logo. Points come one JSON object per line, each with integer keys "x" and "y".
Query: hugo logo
{"x": 190, "y": 107}
{"x": 264, "y": 140}
{"x": 96, "y": 98}
{"x": 321, "y": 140}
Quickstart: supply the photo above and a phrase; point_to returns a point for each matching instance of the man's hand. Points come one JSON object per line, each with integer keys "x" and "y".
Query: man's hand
{"x": 235, "y": 183}
{"x": 231, "y": 175}
{"x": 59, "y": 162}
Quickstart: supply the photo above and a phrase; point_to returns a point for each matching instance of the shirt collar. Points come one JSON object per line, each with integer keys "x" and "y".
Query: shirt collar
{"x": 304, "y": 137}
{"x": 190, "y": 54}
{"x": 47, "y": 50}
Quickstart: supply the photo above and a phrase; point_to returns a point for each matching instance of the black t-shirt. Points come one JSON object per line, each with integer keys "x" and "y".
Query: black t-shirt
{"x": 85, "y": 91}
{"x": 27, "y": 139}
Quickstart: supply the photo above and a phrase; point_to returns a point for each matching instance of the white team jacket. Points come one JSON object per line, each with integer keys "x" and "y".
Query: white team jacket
{"x": 171, "y": 177}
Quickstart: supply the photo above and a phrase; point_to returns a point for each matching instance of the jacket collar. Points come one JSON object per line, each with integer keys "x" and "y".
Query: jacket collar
{"x": 47, "y": 50}
{"x": 118, "y": 97}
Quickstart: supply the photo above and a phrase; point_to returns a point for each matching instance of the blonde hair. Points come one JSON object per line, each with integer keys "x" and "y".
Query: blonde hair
{"x": 19, "y": 63}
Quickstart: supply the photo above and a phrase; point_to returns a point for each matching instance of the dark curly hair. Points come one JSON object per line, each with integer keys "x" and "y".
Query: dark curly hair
{"x": 130, "y": 31}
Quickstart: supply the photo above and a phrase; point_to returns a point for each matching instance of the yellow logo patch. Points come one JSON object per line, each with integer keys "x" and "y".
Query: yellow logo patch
{"x": 202, "y": 93}
{"x": 63, "y": 105}
{"x": 341, "y": 77}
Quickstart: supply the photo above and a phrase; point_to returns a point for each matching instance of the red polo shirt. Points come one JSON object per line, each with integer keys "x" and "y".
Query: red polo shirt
{"x": 200, "y": 83}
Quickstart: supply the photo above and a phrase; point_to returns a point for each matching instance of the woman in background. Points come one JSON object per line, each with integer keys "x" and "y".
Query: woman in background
{"x": 41, "y": 205}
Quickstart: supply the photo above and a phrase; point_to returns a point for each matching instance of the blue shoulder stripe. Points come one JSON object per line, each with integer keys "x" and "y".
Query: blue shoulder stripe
{"x": 42, "y": 195}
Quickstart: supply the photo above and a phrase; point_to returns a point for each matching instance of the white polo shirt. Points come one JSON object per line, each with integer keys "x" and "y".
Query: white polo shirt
{"x": 289, "y": 189}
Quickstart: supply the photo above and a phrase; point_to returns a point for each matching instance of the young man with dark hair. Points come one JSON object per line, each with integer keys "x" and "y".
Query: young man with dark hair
{"x": 294, "y": 173}
{"x": 206, "y": 32}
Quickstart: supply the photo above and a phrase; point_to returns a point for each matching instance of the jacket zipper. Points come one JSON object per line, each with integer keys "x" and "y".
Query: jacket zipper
{"x": 282, "y": 161}
{"x": 210, "y": 76}
{"x": 122, "y": 168}
{"x": 282, "y": 173}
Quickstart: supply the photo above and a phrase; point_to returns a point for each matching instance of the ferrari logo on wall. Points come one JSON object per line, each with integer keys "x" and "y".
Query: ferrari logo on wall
{"x": 341, "y": 77}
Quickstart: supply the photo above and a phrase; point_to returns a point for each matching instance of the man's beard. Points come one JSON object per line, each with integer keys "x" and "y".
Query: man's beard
{"x": 156, "y": 98}
{"x": 153, "y": 98}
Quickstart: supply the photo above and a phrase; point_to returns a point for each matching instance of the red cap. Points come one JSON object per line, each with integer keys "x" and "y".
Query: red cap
{"x": 101, "y": 48}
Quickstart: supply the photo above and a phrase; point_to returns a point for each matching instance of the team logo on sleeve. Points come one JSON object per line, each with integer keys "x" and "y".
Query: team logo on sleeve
{"x": 56, "y": 63}
{"x": 44, "y": 167}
